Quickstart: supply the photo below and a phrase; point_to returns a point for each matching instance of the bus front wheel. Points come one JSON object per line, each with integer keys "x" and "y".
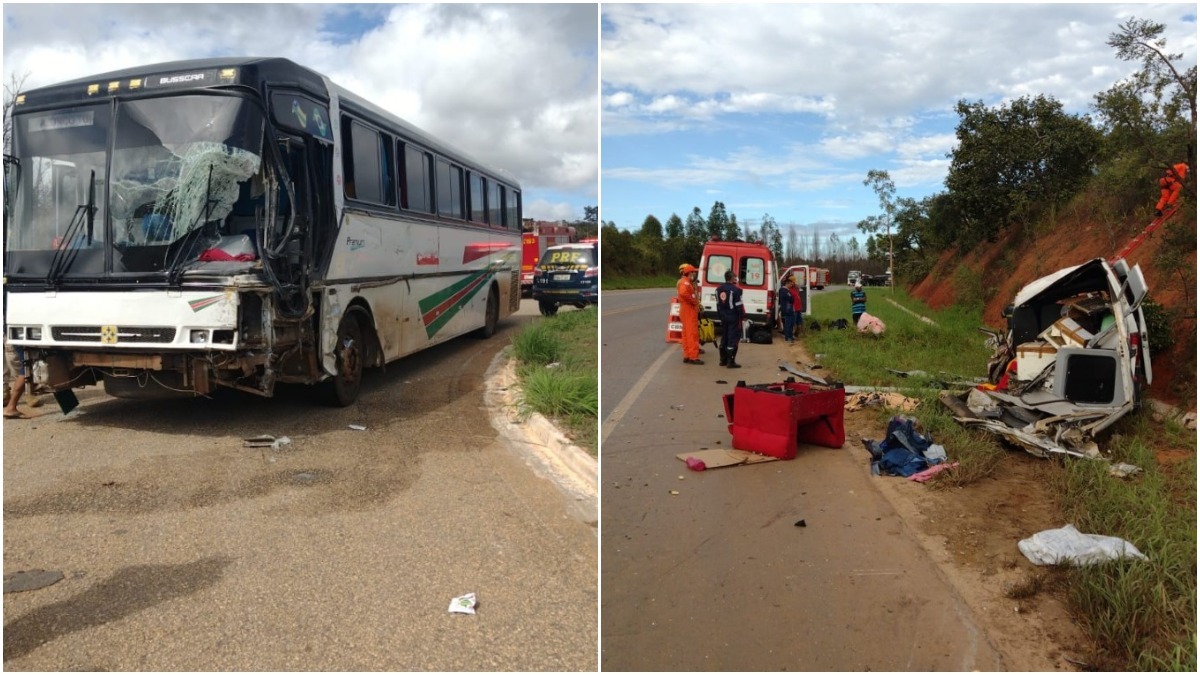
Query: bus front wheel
{"x": 342, "y": 389}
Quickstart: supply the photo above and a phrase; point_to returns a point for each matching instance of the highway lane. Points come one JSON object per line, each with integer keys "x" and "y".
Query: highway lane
{"x": 341, "y": 551}
{"x": 718, "y": 576}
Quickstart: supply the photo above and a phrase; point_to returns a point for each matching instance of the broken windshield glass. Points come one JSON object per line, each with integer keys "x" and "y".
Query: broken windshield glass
{"x": 180, "y": 163}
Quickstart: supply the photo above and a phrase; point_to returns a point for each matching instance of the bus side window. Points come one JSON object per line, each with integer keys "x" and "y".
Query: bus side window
{"x": 348, "y": 159}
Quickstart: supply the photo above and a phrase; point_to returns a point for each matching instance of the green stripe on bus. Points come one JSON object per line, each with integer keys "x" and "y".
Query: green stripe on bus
{"x": 454, "y": 297}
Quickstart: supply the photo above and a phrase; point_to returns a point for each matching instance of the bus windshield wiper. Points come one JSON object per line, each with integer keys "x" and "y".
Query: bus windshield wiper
{"x": 68, "y": 247}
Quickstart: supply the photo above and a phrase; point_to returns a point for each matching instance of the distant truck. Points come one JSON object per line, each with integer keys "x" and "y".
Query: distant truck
{"x": 818, "y": 277}
{"x": 534, "y": 242}
{"x": 854, "y": 277}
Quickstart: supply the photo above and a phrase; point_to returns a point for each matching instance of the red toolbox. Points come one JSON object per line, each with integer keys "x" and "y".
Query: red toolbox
{"x": 771, "y": 419}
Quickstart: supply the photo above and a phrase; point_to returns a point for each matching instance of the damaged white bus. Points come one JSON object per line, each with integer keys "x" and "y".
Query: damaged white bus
{"x": 239, "y": 223}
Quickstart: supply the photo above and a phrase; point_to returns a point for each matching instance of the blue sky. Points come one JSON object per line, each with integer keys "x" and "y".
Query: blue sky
{"x": 514, "y": 86}
{"x": 783, "y": 109}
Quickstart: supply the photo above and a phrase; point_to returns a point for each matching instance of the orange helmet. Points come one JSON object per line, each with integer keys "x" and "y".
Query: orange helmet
{"x": 687, "y": 268}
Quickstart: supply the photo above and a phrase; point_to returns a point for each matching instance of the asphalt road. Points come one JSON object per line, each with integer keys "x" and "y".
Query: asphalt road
{"x": 183, "y": 550}
{"x": 718, "y": 576}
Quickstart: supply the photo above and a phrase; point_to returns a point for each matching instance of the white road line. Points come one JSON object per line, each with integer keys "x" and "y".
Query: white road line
{"x": 626, "y": 403}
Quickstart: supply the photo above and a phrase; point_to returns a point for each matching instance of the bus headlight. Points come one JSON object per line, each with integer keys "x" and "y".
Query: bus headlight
{"x": 34, "y": 333}
{"x": 16, "y": 333}
{"x": 199, "y": 337}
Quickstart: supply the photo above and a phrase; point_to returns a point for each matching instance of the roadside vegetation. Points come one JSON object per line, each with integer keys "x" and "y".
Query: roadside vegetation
{"x": 1141, "y": 613}
{"x": 558, "y": 368}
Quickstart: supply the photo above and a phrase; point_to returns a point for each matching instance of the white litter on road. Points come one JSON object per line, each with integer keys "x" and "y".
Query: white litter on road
{"x": 1067, "y": 544}
{"x": 463, "y": 604}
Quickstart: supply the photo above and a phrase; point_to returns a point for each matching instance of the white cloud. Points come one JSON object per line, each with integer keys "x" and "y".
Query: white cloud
{"x": 514, "y": 86}
{"x": 860, "y": 63}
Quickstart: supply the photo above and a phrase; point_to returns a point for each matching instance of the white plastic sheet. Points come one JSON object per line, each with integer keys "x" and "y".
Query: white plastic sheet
{"x": 1069, "y": 545}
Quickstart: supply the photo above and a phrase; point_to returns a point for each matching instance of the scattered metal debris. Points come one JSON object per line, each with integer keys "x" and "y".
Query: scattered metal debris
{"x": 265, "y": 441}
{"x": 785, "y": 366}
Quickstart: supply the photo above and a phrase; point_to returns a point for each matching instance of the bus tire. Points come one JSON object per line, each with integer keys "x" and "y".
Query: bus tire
{"x": 492, "y": 319}
{"x": 342, "y": 389}
{"x": 548, "y": 308}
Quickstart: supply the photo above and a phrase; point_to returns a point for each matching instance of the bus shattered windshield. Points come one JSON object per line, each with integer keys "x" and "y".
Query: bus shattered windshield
{"x": 183, "y": 177}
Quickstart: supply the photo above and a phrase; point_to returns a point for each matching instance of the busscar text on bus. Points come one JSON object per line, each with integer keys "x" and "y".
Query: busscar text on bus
{"x": 240, "y": 223}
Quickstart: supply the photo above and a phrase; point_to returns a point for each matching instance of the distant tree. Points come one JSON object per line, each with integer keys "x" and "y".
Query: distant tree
{"x": 835, "y": 248}
{"x": 718, "y": 221}
{"x": 674, "y": 227}
{"x": 814, "y": 252}
{"x": 651, "y": 229}
{"x": 696, "y": 227}
{"x": 732, "y": 230}
{"x": 1015, "y": 161}
{"x": 771, "y": 236}
{"x": 1149, "y": 118}
{"x": 792, "y": 250}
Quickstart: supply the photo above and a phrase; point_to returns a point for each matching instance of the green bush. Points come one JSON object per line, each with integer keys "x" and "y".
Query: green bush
{"x": 1160, "y": 324}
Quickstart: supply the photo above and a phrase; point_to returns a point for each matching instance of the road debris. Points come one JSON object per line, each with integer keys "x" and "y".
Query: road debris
{"x": 772, "y": 419}
{"x": 904, "y": 451}
{"x": 695, "y": 464}
{"x": 717, "y": 458}
{"x": 875, "y": 399}
{"x": 787, "y": 367}
{"x": 674, "y": 492}
{"x": 358, "y": 427}
{"x": 801, "y": 523}
{"x": 463, "y": 604}
{"x": 1068, "y": 545}
{"x": 923, "y": 476}
{"x": 266, "y": 441}
{"x": 868, "y": 323}
{"x": 1123, "y": 470}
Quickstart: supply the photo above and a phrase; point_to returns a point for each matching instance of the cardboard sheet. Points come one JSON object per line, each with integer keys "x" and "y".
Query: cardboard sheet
{"x": 715, "y": 458}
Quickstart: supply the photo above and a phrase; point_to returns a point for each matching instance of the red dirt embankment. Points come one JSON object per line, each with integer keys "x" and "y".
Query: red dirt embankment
{"x": 1018, "y": 258}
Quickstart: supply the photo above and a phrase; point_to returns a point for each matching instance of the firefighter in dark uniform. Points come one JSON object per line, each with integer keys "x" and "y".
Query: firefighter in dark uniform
{"x": 730, "y": 311}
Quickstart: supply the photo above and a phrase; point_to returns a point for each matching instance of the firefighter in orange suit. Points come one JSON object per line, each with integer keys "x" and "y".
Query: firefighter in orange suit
{"x": 1170, "y": 184}
{"x": 689, "y": 313}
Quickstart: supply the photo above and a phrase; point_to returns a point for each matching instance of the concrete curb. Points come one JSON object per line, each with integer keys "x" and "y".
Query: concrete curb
{"x": 909, "y": 311}
{"x": 538, "y": 442}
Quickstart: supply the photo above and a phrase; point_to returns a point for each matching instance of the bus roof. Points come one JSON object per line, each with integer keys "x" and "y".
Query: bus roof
{"x": 255, "y": 72}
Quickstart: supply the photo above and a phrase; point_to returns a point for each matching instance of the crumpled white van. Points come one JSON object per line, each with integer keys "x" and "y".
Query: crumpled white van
{"x": 1076, "y": 356}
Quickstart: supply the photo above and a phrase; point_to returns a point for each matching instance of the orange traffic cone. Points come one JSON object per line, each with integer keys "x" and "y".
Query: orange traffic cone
{"x": 674, "y": 324}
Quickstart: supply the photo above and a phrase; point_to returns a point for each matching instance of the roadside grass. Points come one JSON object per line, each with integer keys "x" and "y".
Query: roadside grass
{"x": 568, "y": 392}
{"x": 615, "y": 283}
{"x": 952, "y": 350}
{"x": 1142, "y": 613}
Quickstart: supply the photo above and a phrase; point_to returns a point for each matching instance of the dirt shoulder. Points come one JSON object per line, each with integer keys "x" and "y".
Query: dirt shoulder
{"x": 971, "y": 535}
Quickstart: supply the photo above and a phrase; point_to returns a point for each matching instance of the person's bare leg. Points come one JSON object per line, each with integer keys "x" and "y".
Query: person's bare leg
{"x": 14, "y": 397}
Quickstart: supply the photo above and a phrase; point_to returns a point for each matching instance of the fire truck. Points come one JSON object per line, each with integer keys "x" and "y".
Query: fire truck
{"x": 818, "y": 277}
{"x": 537, "y": 237}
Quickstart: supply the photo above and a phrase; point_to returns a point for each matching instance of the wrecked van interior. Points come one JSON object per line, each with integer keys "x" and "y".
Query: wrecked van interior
{"x": 1072, "y": 361}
